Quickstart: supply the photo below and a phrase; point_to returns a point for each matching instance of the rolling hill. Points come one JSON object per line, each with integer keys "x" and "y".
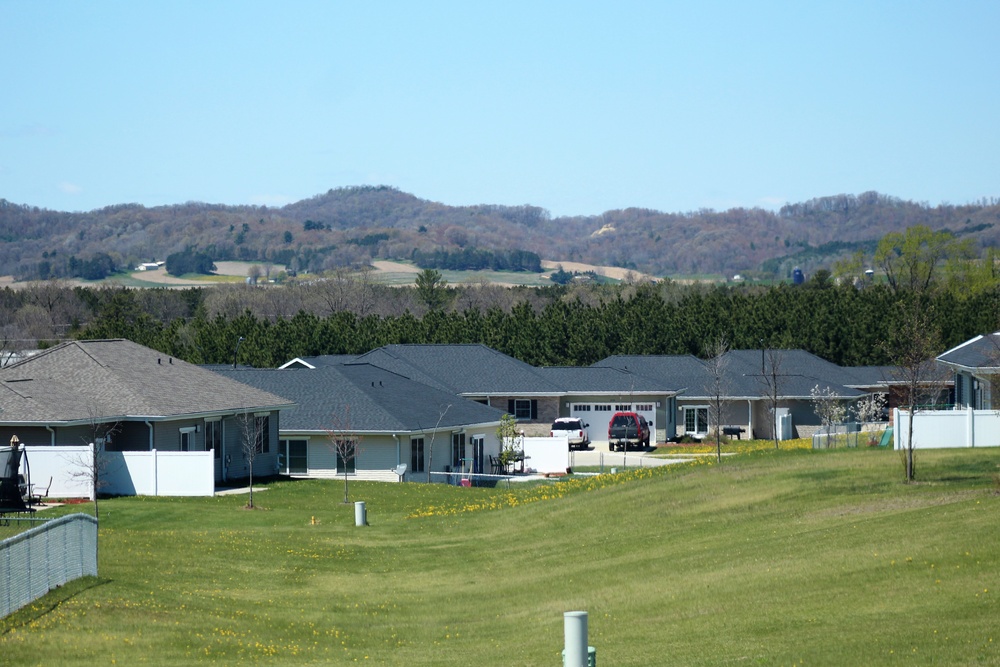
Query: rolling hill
{"x": 356, "y": 225}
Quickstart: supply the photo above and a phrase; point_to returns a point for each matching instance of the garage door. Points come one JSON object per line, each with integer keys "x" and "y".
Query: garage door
{"x": 599, "y": 414}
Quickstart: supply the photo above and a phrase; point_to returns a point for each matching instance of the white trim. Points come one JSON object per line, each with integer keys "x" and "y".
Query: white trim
{"x": 296, "y": 360}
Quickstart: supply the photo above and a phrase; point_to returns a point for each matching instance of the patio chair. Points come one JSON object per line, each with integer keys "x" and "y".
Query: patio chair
{"x": 36, "y": 497}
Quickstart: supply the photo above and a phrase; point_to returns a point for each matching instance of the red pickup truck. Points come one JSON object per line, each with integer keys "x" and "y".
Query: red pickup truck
{"x": 627, "y": 428}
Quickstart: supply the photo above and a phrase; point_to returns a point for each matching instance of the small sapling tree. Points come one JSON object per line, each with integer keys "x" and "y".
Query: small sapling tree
{"x": 251, "y": 442}
{"x": 717, "y": 363}
{"x": 508, "y": 435}
{"x": 828, "y": 407}
{"x": 346, "y": 444}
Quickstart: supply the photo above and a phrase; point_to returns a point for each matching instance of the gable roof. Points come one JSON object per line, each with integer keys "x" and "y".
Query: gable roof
{"x": 322, "y": 360}
{"x": 362, "y": 398}
{"x": 981, "y": 353}
{"x": 76, "y": 381}
{"x": 469, "y": 370}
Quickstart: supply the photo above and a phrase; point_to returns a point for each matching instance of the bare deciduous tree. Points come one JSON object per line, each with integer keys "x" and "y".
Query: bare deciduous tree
{"x": 443, "y": 410}
{"x": 91, "y": 468}
{"x": 771, "y": 377}
{"x": 717, "y": 365}
{"x": 346, "y": 444}
{"x": 251, "y": 442}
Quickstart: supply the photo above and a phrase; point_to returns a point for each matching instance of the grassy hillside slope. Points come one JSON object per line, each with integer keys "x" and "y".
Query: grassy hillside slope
{"x": 797, "y": 557}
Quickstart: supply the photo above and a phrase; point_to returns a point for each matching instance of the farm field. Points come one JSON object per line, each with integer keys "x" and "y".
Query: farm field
{"x": 788, "y": 557}
{"x": 388, "y": 272}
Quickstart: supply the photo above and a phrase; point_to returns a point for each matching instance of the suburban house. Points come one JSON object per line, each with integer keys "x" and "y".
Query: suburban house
{"x": 395, "y": 421}
{"x": 595, "y": 394}
{"x": 535, "y": 396}
{"x": 746, "y": 381}
{"x": 129, "y": 398}
{"x": 976, "y": 365}
{"x": 973, "y": 419}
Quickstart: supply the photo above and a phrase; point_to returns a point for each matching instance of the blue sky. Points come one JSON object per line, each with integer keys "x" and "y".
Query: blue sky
{"x": 578, "y": 107}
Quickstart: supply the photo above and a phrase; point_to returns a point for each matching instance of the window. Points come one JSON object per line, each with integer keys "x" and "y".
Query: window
{"x": 602, "y": 408}
{"x": 644, "y": 407}
{"x": 696, "y": 420}
{"x": 457, "y": 450}
{"x": 623, "y": 408}
{"x": 347, "y": 459}
{"x": 417, "y": 454}
{"x": 523, "y": 408}
{"x": 582, "y": 407}
{"x": 213, "y": 436}
{"x": 264, "y": 429}
{"x": 188, "y": 439}
{"x": 297, "y": 456}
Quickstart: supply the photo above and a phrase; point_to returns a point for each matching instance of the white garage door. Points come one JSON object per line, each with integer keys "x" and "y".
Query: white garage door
{"x": 599, "y": 414}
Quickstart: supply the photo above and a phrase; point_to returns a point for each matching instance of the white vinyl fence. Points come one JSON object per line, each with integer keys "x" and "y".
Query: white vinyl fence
{"x": 939, "y": 429}
{"x": 50, "y": 555}
{"x": 152, "y": 473}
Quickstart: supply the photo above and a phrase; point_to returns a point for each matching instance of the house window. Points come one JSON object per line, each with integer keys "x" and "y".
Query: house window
{"x": 696, "y": 420}
{"x": 347, "y": 459}
{"x": 523, "y": 408}
{"x": 582, "y": 407}
{"x": 457, "y": 450}
{"x": 263, "y": 427}
{"x": 213, "y": 436}
{"x": 602, "y": 408}
{"x": 417, "y": 454}
{"x": 625, "y": 407}
{"x": 188, "y": 439}
{"x": 644, "y": 407}
{"x": 296, "y": 459}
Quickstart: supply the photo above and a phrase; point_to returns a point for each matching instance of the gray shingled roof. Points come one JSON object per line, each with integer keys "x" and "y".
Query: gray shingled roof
{"x": 362, "y": 398}
{"x": 680, "y": 372}
{"x": 322, "y": 360}
{"x": 603, "y": 380}
{"x": 78, "y": 380}
{"x": 981, "y": 353}
{"x": 474, "y": 369}
{"x": 799, "y": 372}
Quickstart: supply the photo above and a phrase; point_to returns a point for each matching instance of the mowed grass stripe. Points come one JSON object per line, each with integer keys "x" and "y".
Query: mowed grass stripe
{"x": 788, "y": 557}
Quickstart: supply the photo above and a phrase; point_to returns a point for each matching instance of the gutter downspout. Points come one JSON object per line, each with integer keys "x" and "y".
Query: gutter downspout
{"x": 396, "y": 438}
{"x": 52, "y": 439}
{"x": 150, "y": 425}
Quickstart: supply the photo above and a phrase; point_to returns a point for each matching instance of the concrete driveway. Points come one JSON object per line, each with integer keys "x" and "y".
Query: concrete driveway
{"x": 598, "y": 455}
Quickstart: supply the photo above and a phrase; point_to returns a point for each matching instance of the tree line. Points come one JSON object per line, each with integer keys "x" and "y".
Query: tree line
{"x": 478, "y": 259}
{"x": 556, "y": 326}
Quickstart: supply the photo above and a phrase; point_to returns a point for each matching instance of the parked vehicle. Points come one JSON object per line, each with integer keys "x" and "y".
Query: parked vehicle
{"x": 627, "y": 428}
{"x": 574, "y": 429}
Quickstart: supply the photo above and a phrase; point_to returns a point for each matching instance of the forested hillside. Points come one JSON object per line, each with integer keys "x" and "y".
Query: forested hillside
{"x": 347, "y": 227}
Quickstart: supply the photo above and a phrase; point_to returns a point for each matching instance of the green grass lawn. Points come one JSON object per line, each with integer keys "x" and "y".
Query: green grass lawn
{"x": 789, "y": 557}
